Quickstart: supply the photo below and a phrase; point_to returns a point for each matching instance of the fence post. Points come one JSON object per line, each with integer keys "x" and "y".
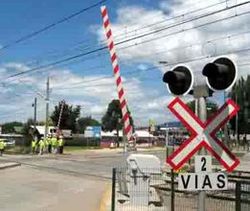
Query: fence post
{"x": 238, "y": 196}
{"x": 172, "y": 190}
{"x": 113, "y": 189}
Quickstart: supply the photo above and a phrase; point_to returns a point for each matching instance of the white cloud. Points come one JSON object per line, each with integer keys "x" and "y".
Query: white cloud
{"x": 94, "y": 92}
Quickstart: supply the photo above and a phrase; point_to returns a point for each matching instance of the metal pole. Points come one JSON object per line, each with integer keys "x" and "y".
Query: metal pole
{"x": 236, "y": 124}
{"x": 166, "y": 141}
{"x": 113, "y": 189}
{"x": 238, "y": 196}
{"x": 124, "y": 144}
{"x": 226, "y": 136}
{"x": 203, "y": 118}
{"x": 172, "y": 190}
{"x": 35, "y": 106}
{"x": 47, "y": 109}
{"x": 196, "y": 107}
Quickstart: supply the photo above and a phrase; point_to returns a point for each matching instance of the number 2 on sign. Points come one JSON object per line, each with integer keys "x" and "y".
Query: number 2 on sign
{"x": 203, "y": 168}
{"x": 203, "y": 163}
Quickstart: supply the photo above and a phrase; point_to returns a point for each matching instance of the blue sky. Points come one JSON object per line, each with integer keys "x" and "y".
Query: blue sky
{"x": 88, "y": 81}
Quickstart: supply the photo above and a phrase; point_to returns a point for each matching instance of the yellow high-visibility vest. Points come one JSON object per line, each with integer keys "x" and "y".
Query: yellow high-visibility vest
{"x": 2, "y": 145}
{"x": 33, "y": 144}
{"x": 60, "y": 142}
{"x": 54, "y": 141}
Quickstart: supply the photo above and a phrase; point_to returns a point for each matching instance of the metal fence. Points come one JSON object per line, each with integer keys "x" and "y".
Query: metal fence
{"x": 158, "y": 192}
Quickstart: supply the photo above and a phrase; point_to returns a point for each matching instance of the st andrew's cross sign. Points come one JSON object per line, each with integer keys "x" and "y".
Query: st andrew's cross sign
{"x": 203, "y": 134}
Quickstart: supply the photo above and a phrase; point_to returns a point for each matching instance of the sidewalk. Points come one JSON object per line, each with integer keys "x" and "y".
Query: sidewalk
{"x": 5, "y": 164}
{"x": 105, "y": 204}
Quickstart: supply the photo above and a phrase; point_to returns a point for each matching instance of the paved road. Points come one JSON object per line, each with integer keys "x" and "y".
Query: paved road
{"x": 59, "y": 182}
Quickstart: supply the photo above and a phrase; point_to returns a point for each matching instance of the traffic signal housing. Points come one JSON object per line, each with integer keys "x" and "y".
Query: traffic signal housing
{"x": 220, "y": 74}
{"x": 179, "y": 80}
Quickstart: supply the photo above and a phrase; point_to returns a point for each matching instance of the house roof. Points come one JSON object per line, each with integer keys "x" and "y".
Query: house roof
{"x": 41, "y": 129}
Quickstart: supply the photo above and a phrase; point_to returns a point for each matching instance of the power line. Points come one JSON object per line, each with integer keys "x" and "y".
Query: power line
{"x": 162, "y": 21}
{"x": 158, "y": 66}
{"x": 145, "y": 26}
{"x": 52, "y": 25}
{"x": 152, "y": 24}
{"x": 140, "y": 36}
{"x": 167, "y": 19}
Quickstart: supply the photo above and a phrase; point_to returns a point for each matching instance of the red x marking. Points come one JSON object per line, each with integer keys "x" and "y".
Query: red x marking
{"x": 203, "y": 134}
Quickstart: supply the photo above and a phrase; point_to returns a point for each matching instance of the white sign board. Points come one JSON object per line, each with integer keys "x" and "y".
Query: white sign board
{"x": 202, "y": 181}
{"x": 92, "y": 132}
{"x": 203, "y": 163}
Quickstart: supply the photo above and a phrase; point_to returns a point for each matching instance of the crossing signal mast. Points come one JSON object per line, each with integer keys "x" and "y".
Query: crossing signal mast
{"x": 220, "y": 75}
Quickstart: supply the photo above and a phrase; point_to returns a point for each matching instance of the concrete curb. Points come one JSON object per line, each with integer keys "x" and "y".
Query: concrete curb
{"x": 105, "y": 204}
{"x": 9, "y": 165}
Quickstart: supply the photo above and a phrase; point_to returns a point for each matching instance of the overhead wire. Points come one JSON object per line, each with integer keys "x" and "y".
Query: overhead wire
{"x": 128, "y": 40}
{"x": 155, "y": 23}
{"x": 159, "y": 66}
{"x": 52, "y": 25}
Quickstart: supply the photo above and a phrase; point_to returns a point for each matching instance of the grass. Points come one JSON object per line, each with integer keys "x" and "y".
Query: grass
{"x": 17, "y": 150}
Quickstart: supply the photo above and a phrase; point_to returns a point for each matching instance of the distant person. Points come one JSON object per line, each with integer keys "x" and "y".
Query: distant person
{"x": 33, "y": 146}
{"x": 60, "y": 144}
{"x": 2, "y": 146}
{"x": 54, "y": 144}
{"x": 45, "y": 149}
{"x": 49, "y": 142}
{"x": 42, "y": 146}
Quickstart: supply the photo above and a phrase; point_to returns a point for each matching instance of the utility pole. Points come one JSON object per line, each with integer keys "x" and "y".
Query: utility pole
{"x": 35, "y": 106}
{"x": 47, "y": 109}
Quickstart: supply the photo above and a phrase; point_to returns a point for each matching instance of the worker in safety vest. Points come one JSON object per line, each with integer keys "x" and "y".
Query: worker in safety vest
{"x": 49, "y": 142}
{"x": 2, "y": 146}
{"x": 60, "y": 144}
{"x": 42, "y": 146}
{"x": 33, "y": 146}
{"x": 45, "y": 145}
{"x": 54, "y": 144}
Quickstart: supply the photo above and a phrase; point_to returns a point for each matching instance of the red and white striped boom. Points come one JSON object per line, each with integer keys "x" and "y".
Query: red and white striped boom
{"x": 123, "y": 104}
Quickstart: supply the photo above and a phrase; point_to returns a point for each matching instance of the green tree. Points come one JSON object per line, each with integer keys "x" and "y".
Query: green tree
{"x": 212, "y": 107}
{"x": 83, "y": 122}
{"x": 240, "y": 93}
{"x": 112, "y": 120}
{"x": 9, "y": 127}
{"x": 68, "y": 117}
